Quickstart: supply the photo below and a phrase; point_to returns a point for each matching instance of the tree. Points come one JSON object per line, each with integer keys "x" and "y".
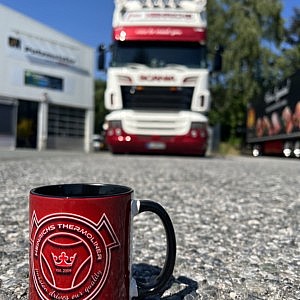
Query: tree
{"x": 100, "y": 110}
{"x": 293, "y": 31}
{"x": 289, "y": 61}
{"x": 248, "y": 30}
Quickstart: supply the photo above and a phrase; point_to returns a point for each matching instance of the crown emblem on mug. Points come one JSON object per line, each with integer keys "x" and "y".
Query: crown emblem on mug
{"x": 63, "y": 260}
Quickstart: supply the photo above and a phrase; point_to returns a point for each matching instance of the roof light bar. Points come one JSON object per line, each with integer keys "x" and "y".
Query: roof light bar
{"x": 127, "y": 4}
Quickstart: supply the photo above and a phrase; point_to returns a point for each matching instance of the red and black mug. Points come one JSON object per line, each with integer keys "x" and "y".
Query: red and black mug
{"x": 81, "y": 242}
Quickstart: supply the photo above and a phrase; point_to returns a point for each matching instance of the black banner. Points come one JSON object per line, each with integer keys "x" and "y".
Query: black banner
{"x": 277, "y": 114}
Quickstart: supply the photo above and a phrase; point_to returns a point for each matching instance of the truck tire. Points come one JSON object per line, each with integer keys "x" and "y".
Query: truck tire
{"x": 256, "y": 150}
{"x": 288, "y": 149}
{"x": 297, "y": 149}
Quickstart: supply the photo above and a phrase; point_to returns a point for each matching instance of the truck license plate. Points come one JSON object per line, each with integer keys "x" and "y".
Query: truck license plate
{"x": 156, "y": 146}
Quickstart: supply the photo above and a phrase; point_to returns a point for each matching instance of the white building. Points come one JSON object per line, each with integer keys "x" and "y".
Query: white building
{"x": 46, "y": 86}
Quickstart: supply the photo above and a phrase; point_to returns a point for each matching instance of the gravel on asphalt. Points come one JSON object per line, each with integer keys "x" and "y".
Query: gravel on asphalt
{"x": 236, "y": 219}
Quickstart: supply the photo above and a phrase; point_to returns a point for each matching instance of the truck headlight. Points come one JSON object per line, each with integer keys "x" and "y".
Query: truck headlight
{"x": 198, "y": 129}
{"x": 114, "y": 128}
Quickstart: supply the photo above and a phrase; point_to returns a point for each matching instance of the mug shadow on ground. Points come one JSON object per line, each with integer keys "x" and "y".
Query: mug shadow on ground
{"x": 179, "y": 287}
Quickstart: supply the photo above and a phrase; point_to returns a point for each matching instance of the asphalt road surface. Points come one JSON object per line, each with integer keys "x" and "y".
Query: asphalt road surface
{"x": 236, "y": 219}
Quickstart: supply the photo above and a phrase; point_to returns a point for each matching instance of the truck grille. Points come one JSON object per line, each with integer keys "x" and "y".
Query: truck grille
{"x": 163, "y": 124}
{"x": 158, "y": 98}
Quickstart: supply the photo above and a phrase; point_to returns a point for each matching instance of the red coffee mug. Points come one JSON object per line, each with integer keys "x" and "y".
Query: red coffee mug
{"x": 80, "y": 243}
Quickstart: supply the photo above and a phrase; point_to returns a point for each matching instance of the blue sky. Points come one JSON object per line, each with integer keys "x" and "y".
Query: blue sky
{"x": 88, "y": 21}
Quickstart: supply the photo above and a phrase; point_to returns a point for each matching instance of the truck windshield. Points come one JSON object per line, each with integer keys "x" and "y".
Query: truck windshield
{"x": 159, "y": 54}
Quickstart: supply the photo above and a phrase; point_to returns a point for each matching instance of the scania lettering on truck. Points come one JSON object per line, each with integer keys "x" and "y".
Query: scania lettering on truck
{"x": 157, "y": 80}
{"x": 273, "y": 121}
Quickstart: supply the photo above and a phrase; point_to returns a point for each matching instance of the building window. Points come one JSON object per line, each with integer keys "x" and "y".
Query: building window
{"x": 7, "y": 125}
{"x": 66, "y": 121}
{"x": 43, "y": 81}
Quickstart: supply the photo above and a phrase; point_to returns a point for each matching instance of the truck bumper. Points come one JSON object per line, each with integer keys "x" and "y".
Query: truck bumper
{"x": 183, "y": 144}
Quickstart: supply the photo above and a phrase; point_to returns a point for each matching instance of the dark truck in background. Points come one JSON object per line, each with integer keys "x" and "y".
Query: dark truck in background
{"x": 273, "y": 120}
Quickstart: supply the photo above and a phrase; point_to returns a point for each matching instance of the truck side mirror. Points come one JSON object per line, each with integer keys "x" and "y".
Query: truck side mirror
{"x": 101, "y": 57}
{"x": 218, "y": 60}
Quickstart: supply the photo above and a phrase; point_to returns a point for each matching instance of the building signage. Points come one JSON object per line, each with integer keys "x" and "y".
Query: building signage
{"x": 39, "y": 52}
{"x": 43, "y": 81}
{"x": 42, "y": 51}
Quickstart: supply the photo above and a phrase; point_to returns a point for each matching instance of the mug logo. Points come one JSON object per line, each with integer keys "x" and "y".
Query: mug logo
{"x": 63, "y": 260}
{"x": 70, "y": 255}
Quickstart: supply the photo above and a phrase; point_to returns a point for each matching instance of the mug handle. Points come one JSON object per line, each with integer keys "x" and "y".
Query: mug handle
{"x": 159, "y": 283}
